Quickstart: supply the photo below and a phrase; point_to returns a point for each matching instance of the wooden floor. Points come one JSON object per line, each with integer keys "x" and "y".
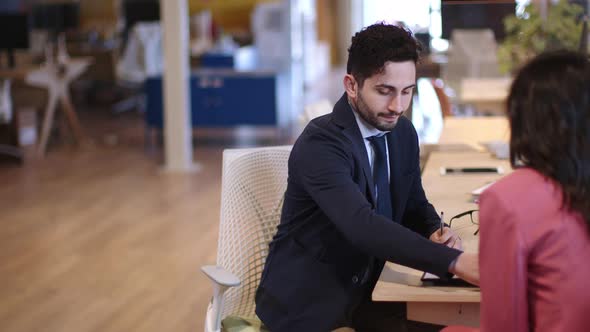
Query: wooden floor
{"x": 100, "y": 239}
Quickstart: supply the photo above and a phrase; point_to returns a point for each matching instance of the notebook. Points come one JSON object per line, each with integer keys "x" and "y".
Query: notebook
{"x": 429, "y": 279}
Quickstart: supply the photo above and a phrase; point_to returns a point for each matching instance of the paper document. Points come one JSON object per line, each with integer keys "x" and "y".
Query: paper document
{"x": 478, "y": 191}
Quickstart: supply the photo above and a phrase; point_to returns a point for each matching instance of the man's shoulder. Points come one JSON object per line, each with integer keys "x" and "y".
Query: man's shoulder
{"x": 322, "y": 127}
{"x": 404, "y": 132}
{"x": 323, "y": 121}
{"x": 404, "y": 126}
{"x": 321, "y": 136}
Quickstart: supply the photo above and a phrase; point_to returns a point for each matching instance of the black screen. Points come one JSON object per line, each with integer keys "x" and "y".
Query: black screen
{"x": 140, "y": 11}
{"x": 56, "y": 17}
{"x": 14, "y": 29}
{"x": 468, "y": 14}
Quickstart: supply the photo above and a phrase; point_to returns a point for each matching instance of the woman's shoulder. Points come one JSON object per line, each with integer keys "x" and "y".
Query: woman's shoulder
{"x": 526, "y": 193}
{"x": 522, "y": 180}
{"x": 524, "y": 187}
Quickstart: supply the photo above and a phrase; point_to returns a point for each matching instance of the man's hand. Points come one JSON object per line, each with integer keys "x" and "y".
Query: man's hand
{"x": 448, "y": 238}
{"x": 466, "y": 267}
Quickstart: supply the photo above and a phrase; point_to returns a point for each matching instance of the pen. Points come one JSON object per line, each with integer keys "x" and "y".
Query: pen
{"x": 446, "y": 170}
{"x": 442, "y": 222}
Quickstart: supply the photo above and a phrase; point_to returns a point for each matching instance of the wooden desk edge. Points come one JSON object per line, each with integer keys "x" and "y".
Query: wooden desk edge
{"x": 389, "y": 291}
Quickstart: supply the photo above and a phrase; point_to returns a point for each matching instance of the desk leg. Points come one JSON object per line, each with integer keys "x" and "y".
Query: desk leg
{"x": 444, "y": 313}
{"x": 70, "y": 113}
{"x": 47, "y": 123}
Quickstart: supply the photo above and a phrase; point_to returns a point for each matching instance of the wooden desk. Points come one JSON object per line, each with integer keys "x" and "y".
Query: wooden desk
{"x": 19, "y": 73}
{"x": 57, "y": 83}
{"x": 488, "y": 95}
{"x": 451, "y": 194}
{"x": 475, "y": 130}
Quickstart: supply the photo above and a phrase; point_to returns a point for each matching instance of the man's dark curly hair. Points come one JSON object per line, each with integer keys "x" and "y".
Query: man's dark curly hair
{"x": 377, "y": 44}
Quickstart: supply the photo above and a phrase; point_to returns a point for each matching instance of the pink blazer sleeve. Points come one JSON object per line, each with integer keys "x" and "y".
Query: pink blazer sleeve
{"x": 503, "y": 267}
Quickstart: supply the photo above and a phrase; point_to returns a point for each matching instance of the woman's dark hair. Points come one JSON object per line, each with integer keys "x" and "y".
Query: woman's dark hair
{"x": 377, "y": 44}
{"x": 549, "y": 113}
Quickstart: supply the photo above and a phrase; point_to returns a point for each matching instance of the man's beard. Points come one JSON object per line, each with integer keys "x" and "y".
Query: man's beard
{"x": 370, "y": 117}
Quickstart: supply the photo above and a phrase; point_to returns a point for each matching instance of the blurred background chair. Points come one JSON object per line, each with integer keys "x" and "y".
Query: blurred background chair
{"x": 431, "y": 107}
{"x": 5, "y": 102}
{"x": 427, "y": 112}
{"x": 142, "y": 57}
{"x": 446, "y": 106}
{"x": 253, "y": 185}
{"x": 472, "y": 54}
{"x": 315, "y": 109}
{"x": 140, "y": 52}
{"x": 201, "y": 29}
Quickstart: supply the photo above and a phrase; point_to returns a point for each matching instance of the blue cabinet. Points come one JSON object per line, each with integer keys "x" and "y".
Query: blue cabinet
{"x": 221, "y": 99}
{"x": 217, "y": 60}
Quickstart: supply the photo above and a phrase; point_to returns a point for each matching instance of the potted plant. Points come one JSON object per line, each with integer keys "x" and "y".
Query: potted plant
{"x": 528, "y": 34}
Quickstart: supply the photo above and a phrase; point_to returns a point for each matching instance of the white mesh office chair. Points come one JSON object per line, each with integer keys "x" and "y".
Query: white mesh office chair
{"x": 253, "y": 185}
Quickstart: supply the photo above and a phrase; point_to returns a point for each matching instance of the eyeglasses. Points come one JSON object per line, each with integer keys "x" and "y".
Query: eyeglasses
{"x": 473, "y": 216}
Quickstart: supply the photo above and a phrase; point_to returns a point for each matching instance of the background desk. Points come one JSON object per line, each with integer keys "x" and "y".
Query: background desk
{"x": 475, "y": 130}
{"x": 57, "y": 84}
{"x": 488, "y": 95}
{"x": 451, "y": 194}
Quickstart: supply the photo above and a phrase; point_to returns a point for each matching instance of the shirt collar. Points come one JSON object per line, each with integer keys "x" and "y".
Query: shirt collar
{"x": 366, "y": 129}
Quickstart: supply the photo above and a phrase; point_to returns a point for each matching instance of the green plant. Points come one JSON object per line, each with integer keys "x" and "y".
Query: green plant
{"x": 528, "y": 34}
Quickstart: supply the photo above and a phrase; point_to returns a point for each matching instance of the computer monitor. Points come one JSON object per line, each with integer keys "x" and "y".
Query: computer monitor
{"x": 140, "y": 11}
{"x": 56, "y": 17}
{"x": 10, "y": 5}
{"x": 14, "y": 33}
{"x": 469, "y": 14}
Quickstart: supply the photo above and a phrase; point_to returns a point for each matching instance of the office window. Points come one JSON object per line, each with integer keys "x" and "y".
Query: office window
{"x": 418, "y": 15}
{"x": 415, "y": 14}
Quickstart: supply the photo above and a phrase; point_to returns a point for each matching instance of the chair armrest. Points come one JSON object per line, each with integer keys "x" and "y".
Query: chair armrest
{"x": 222, "y": 280}
{"x": 220, "y": 276}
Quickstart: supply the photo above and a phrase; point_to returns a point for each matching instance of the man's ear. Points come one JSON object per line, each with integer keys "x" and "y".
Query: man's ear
{"x": 350, "y": 86}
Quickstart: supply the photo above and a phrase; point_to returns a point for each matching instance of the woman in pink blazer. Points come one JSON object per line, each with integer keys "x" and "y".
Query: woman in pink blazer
{"x": 535, "y": 223}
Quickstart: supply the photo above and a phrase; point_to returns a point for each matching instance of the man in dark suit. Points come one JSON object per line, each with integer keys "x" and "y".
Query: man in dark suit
{"x": 355, "y": 200}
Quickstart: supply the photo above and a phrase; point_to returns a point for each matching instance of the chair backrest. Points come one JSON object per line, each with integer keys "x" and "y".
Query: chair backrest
{"x": 143, "y": 56}
{"x": 313, "y": 110}
{"x": 5, "y": 102}
{"x": 253, "y": 186}
{"x": 472, "y": 53}
{"x": 443, "y": 99}
{"x": 474, "y": 44}
{"x": 427, "y": 114}
{"x": 201, "y": 32}
{"x": 269, "y": 31}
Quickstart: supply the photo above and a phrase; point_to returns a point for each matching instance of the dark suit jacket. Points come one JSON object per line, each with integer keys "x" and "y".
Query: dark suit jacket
{"x": 331, "y": 245}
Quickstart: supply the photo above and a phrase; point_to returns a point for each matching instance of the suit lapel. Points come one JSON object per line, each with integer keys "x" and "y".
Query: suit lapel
{"x": 359, "y": 149}
{"x": 395, "y": 178}
{"x": 344, "y": 117}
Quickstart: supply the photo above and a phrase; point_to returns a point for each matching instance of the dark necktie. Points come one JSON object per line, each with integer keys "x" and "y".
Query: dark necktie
{"x": 380, "y": 176}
